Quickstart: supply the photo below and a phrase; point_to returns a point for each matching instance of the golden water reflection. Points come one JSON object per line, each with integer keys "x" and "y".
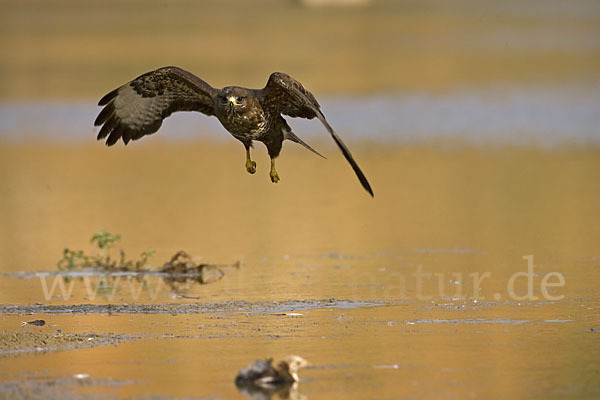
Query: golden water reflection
{"x": 449, "y": 210}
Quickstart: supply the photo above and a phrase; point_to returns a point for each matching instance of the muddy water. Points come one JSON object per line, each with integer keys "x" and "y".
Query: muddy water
{"x": 412, "y": 294}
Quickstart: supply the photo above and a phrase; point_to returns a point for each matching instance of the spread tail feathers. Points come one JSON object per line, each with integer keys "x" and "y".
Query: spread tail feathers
{"x": 292, "y": 136}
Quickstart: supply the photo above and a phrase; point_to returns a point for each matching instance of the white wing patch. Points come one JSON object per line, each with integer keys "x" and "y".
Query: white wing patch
{"x": 139, "y": 107}
{"x": 134, "y": 110}
{"x": 286, "y": 133}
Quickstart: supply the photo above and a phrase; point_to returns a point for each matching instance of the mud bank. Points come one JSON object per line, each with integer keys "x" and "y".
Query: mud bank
{"x": 188, "y": 308}
{"x": 14, "y": 343}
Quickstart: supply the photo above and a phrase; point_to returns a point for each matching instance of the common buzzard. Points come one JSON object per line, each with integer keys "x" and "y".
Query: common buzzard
{"x": 139, "y": 107}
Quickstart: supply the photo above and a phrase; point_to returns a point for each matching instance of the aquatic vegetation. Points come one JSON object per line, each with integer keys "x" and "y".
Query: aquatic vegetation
{"x": 107, "y": 257}
{"x": 103, "y": 257}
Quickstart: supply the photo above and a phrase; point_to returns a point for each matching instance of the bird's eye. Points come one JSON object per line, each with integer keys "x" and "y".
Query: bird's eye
{"x": 240, "y": 99}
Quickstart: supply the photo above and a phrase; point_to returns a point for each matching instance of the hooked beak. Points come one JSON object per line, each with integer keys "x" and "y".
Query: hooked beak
{"x": 232, "y": 101}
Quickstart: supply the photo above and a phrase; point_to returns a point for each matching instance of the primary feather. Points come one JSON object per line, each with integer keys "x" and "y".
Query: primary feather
{"x": 139, "y": 107}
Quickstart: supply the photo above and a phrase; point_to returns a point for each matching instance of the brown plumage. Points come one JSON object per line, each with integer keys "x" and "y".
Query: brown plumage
{"x": 138, "y": 108}
{"x": 262, "y": 374}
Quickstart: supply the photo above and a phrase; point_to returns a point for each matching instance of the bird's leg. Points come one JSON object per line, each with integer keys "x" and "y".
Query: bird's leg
{"x": 250, "y": 165}
{"x": 273, "y": 173}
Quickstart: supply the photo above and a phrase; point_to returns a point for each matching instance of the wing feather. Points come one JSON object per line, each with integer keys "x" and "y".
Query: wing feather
{"x": 105, "y": 114}
{"x": 139, "y": 107}
{"x": 284, "y": 94}
{"x": 108, "y": 97}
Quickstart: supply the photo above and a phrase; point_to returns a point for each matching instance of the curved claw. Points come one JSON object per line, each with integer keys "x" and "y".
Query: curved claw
{"x": 250, "y": 166}
{"x": 274, "y": 175}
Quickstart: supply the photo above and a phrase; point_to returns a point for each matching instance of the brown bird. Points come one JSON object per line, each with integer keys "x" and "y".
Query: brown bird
{"x": 262, "y": 374}
{"x": 139, "y": 107}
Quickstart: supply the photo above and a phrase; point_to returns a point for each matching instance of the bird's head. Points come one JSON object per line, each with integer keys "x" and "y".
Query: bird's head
{"x": 234, "y": 99}
{"x": 290, "y": 366}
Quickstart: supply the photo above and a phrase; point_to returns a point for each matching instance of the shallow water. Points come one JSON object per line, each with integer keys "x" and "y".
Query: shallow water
{"x": 357, "y": 353}
{"x": 406, "y": 295}
{"x": 473, "y": 273}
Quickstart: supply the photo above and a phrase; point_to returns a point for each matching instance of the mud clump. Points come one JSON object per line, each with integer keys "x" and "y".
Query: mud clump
{"x": 59, "y": 388}
{"x": 37, "y": 322}
{"x": 181, "y": 267}
{"x": 13, "y": 343}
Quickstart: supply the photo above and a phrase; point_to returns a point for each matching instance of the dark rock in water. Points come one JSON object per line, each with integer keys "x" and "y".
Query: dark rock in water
{"x": 181, "y": 268}
{"x": 261, "y": 380}
{"x": 37, "y": 322}
{"x": 181, "y": 263}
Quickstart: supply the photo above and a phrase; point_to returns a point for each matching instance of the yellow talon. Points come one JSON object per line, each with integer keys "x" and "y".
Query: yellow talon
{"x": 273, "y": 173}
{"x": 250, "y": 165}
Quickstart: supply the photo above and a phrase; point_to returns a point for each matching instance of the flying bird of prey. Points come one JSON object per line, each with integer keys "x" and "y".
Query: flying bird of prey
{"x": 139, "y": 107}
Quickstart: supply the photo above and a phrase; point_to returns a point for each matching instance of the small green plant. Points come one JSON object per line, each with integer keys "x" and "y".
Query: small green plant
{"x": 102, "y": 257}
{"x": 105, "y": 239}
{"x": 73, "y": 260}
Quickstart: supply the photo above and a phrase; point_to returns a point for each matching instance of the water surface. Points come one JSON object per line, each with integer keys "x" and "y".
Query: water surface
{"x": 379, "y": 294}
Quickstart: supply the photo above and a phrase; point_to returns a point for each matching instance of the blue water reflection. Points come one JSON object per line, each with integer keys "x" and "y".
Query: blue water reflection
{"x": 532, "y": 116}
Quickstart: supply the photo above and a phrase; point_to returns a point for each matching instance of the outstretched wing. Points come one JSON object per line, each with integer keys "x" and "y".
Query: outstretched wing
{"x": 139, "y": 107}
{"x": 283, "y": 94}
